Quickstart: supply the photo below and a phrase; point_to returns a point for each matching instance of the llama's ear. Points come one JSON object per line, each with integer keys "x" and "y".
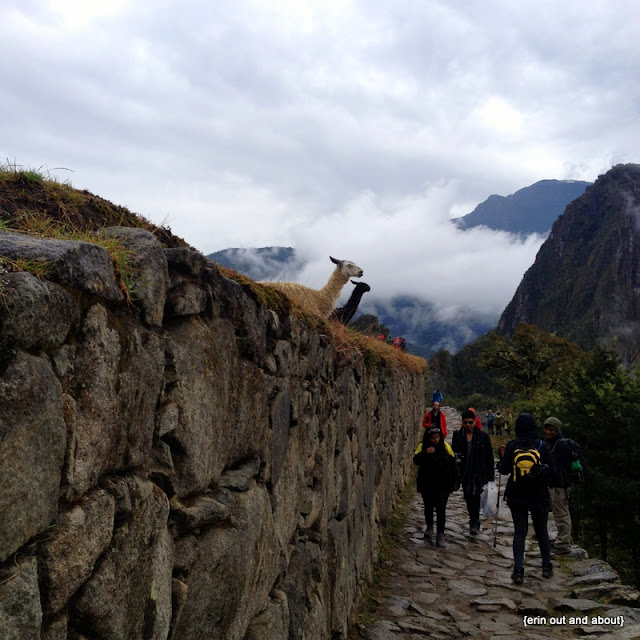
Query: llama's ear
{"x": 353, "y": 282}
{"x": 339, "y": 262}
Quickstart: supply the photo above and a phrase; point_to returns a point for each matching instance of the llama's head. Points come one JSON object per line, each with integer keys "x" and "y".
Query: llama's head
{"x": 348, "y": 269}
{"x": 361, "y": 286}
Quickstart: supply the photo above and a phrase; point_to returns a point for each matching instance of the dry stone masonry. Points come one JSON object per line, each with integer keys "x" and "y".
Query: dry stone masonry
{"x": 199, "y": 466}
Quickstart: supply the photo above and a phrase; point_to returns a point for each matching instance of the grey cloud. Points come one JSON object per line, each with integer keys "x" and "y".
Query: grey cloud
{"x": 352, "y": 129}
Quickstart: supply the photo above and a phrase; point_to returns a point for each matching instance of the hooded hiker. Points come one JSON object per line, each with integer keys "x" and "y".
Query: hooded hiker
{"x": 527, "y": 460}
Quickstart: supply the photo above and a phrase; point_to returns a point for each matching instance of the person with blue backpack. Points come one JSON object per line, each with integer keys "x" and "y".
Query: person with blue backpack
{"x": 527, "y": 460}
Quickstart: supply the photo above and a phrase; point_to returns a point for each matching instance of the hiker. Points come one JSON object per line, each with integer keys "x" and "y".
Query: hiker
{"x": 498, "y": 423}
{"x": 435, "y": 418}
{"x": 527, "y": 460}
{"x": 488, "y": 421}
{"x": 437, "y": 478}
{"x": 400, "y": 343}
{"x": 507, "y": 422}
{"x": 562, "y": 456}
{"x": 478, "y": 422}
{"x": 436, "y": 396}
{"x": 475, "y": 457}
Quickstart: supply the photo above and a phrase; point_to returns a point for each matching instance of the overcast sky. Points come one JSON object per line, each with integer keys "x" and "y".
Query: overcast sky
{"x": 353, "y": 129}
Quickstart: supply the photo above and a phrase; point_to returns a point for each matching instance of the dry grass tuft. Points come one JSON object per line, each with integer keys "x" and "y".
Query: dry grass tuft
{"x": 375, "y": 352}
{"x": 40, "y": 225}
{"x": 28, "y": 192}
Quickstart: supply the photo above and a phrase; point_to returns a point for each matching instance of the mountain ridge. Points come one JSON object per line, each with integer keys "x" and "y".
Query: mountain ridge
{"x": 532, "y": 209}
{"x": 585, "y": 281}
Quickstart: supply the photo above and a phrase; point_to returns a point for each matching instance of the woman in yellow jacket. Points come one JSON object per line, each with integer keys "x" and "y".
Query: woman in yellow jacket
{"x": 437, "y": 478}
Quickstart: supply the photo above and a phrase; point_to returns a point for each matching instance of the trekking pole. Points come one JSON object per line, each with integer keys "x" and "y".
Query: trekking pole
{"x": 495, "y": 529}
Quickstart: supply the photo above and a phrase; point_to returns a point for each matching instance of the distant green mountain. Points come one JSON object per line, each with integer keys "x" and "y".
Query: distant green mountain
{"x": 585, "y": 282}
{"x": 530, "y": 210}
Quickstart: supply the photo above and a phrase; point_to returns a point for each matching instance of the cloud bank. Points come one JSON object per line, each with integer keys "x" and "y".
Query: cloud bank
{"x": 338, "y": 127}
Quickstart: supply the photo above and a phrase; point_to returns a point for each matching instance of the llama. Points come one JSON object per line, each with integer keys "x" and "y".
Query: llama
{"x": 320, "y": 302}
{"x": 343, "y": 315}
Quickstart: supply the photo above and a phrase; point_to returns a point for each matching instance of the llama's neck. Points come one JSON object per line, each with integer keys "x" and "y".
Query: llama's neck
{"x": 334, "y": 285}
{"x": 357, "y": 296}
{"x": 354, "y": 299}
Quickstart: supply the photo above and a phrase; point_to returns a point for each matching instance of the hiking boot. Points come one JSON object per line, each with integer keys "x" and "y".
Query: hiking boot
{"x": 428, "y": 534}
{"x": 440, "y": 541}
{"x": 561, "y": 551}
{"x": 474, "y": 528}
{"x": 517, "y": 577}
{"x": 547, "y": 571}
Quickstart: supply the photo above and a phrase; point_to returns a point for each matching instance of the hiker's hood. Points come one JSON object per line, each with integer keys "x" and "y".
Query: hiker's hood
{"x": 526, "y": 427}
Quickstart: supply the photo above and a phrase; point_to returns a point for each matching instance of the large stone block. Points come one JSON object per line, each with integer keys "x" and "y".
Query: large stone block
{"x": 150, "y": 275}
{"x": 273, "y": 622}
{"x": 34, "y": 314}
{"x": 32, "y": 447}
{"x": 231, "y": 574}
{"x": 116, "y": 387}
{"x": 221, "y": 400}
{"x": 78, "y": 265}
{"x": 68, "y": 555}
{"x": 20, "y": 612}
{"x": 129, "y": 594}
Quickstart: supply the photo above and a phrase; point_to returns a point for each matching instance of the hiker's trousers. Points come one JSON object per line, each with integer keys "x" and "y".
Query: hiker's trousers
{"x": 560, "y": 507}
{"x": 539, "y": 518}
{"x": 435, "y": 500}
{"x": 473, "y": 507}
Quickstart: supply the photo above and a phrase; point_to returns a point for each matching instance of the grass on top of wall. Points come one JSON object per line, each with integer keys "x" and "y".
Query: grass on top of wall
{"x": 375, "y": 351}
{"x": 346, "y": 342}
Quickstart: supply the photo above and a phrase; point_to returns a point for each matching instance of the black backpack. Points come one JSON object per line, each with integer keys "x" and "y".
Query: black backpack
{"x": 526, "y": 464}
{"x": 575, "y": 473}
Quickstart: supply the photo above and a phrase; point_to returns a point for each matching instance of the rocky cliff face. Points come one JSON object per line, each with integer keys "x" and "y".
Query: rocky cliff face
{"x": 201, "y": 467}
{"x": 585, "y": 282}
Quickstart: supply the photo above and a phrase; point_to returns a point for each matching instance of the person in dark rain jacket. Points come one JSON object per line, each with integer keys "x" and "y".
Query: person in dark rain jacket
{"x": 527, "y": 494}
{"x": 475, "y": 455}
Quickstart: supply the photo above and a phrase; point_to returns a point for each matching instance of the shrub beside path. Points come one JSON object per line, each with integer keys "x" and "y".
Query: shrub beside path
{"x": 465, "y": 590}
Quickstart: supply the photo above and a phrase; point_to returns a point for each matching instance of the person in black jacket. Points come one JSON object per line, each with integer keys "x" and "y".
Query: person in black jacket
{"x": 437, "y": 478}
{"x": 562, "y": 457}
{"x": 527, "y": 492}
{"x": 475, "y": 456}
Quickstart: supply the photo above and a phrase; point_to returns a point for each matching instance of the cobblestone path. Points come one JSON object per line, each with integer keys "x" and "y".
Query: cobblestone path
{"x": 465, "y": 590}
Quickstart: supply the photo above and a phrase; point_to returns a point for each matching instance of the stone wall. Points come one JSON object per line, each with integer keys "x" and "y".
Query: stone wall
{"x": 193, "y": 466}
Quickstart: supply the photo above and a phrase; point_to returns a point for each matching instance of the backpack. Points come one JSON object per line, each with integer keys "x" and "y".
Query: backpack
{"x": 575, "y": 473}
{"x": 526, "y": 464}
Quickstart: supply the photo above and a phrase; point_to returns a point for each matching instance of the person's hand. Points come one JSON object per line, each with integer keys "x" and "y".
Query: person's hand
{"x": 501, "y": 450}
{"x": 431, "y": 449}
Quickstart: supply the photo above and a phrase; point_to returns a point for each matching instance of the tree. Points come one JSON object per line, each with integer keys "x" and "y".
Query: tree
{"x": 602, "y": 413}
{"x": 370, "y": 326}
{"x": 529, "y": 359}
